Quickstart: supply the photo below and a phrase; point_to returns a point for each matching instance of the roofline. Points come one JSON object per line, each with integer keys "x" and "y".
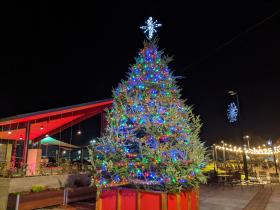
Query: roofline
{"x": 53, "y": 110}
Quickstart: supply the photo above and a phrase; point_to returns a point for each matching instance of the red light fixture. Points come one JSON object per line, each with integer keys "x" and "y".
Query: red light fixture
{"x": 42, "y": 127}
{"x": 47, "y": 135}
{"x": 9, "y": 132}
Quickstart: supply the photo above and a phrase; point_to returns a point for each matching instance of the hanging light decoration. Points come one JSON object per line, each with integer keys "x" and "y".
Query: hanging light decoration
{"x": 47, "y": 135}
{"x": 253, "y": 151}
{"x": 232, "y": 112}
{"x": 79, "y": 132}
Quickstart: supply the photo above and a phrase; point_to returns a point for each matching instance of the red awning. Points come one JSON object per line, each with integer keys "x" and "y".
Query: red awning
{"x": 49, "y": 122}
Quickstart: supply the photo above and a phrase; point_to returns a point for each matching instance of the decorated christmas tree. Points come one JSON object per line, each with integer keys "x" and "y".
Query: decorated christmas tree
{"x": 152, "y": 138}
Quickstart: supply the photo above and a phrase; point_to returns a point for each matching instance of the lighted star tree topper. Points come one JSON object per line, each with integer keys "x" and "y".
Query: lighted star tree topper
{"x": 152, "y": 139}
{"x": 150, "y": 28}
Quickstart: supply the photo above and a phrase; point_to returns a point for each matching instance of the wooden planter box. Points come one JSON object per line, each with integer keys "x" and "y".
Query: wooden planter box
{"x": 35, "y": 200}
{"x": 130, "y": 199}
{"x": 79, "y": 194}
{"x": 24, "y": 184}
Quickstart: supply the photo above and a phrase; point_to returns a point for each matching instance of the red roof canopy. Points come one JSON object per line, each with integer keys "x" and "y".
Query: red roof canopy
{"x": 49, "y": 121}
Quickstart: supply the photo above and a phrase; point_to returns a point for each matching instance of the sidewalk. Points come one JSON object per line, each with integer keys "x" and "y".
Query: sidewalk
{"x": 274, "y": 201}
{"x": 237, "y": 198}
{"x": 225, "y": 198}
{"x": 260, "y": 200}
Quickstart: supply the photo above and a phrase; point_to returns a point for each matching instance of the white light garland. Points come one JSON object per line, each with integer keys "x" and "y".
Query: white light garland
{"x": 253, "y": 151}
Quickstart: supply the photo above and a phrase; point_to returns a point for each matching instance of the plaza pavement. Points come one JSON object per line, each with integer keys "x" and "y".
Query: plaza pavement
{"x": 237, "y": 198}
{"x": 225, "y": 198}
{"x": 274, "y": 201}
{"x": 214, "y": 197}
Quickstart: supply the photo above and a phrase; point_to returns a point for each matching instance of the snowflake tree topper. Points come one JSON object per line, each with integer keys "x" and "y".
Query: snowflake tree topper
{"x": 232, "y": 112}
{"x": 150, "y": 28}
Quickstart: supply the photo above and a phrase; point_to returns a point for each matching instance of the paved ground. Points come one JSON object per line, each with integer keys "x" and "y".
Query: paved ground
{"x": 260, "y": 200}
{"x": 223, "y": 198}
{"x": 237, "y": 198}
{"x": 274, "y": 201}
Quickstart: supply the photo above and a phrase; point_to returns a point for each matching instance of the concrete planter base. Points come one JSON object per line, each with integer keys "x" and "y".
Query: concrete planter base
{"x": 35, "y": 200}
{"x": 24, "y": 184}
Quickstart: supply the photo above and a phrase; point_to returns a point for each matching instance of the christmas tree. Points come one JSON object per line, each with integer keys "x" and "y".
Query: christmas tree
{"x": 152, "y": 139}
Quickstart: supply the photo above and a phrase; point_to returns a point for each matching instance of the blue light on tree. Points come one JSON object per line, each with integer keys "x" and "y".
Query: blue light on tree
{"x": 153, "y": 132}
{"x": 232, "y": 112}
{"x": 150, "y": 28}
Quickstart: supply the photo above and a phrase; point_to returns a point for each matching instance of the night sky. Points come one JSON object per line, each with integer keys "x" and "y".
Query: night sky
{"x": 63, "y": 54}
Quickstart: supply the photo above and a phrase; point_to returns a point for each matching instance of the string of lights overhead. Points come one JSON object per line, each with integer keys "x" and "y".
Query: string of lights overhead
{"x": 260, "y": 150}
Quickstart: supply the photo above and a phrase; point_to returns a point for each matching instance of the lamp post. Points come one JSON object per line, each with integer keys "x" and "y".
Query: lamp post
{"x": 270, "y": 143}
{"x": 224, "y": 152}
{"x": 214, "y": 156}
{"x": 245, "y": 166}
{"x": 248, "y": 142}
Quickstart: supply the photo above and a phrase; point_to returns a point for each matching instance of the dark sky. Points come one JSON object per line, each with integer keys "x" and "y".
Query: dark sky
{"x": 62, "y": 54}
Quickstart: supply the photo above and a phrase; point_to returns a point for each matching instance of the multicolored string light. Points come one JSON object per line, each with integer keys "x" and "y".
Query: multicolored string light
{"x": 152, "y": 137}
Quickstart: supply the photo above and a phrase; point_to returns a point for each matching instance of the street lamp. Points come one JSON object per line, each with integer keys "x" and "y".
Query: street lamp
{"x": 245, "y": 166}
{"x": 232, "y": 93}
{"x": 224, "y": 152}
{"x": 247, "y": 138}
{"x": 270, "y": 143}
{"x": 214, "y": 156}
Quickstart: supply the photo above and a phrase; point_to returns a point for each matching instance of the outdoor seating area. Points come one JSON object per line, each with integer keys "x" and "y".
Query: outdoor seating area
{"x": 47, "y": 165}
{"x": 248, "y": 166}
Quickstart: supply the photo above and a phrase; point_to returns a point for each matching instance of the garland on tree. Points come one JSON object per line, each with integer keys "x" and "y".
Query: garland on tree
{"x": 152, "y": 139}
